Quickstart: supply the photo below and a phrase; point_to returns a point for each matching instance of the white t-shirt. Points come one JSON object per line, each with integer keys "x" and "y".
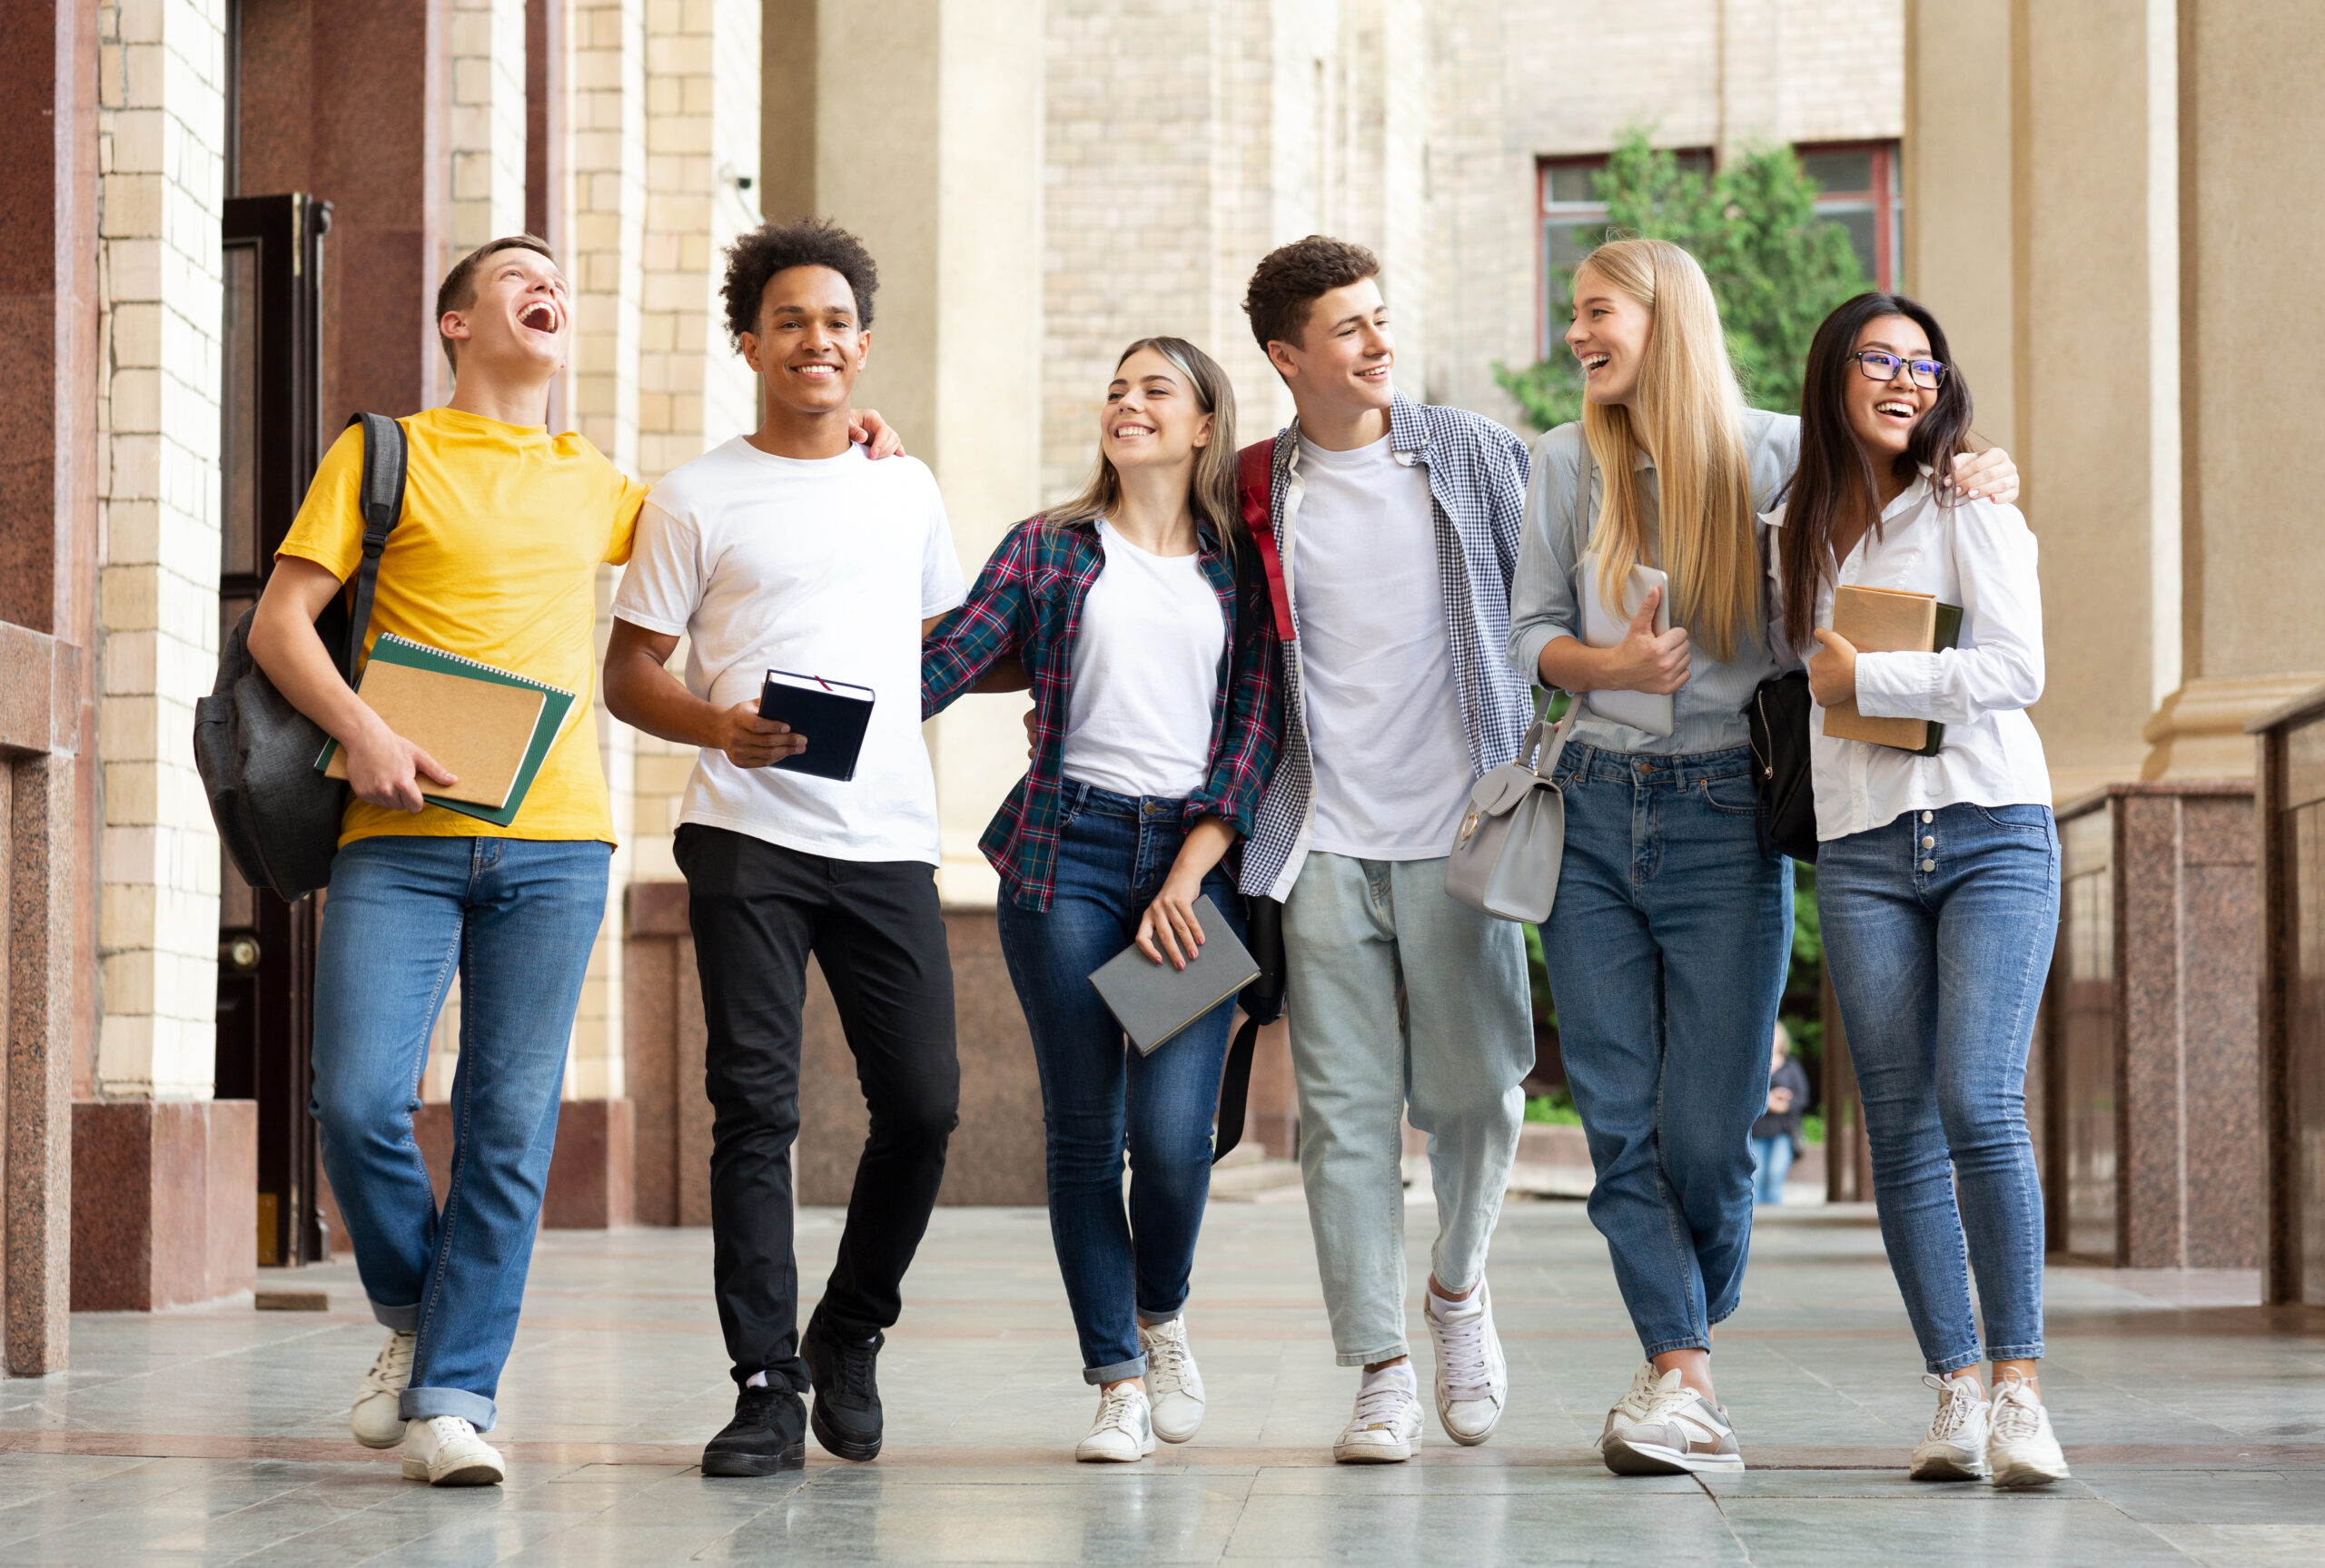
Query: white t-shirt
{"x": 1383, "y": 709}
{"x": 821, "y": 567}
{"x": 1146, "y": 657}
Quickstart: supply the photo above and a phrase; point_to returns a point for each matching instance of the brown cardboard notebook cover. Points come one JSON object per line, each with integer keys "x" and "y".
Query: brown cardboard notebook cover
{"x": 476, "y": 730}
{"x": 1882, "y": 621}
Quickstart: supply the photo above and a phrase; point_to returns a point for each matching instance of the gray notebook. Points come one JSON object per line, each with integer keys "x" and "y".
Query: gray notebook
{"x": 1155, "y": 1000}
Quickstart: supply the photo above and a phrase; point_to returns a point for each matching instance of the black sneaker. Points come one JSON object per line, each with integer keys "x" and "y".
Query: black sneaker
{"x": 769, "y": 1433}
{"x": 847, "y": 1393}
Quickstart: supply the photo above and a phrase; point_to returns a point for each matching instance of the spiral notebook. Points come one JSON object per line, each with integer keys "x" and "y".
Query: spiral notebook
{"x": 490, "y": 727}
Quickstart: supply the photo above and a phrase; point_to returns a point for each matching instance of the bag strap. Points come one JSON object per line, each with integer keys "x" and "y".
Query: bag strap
{"x": 386, "y": 464}
{"x": 1564, "y": 729}
{"x": 1255, "y": 478}
{"x": 1234, "y": 1091}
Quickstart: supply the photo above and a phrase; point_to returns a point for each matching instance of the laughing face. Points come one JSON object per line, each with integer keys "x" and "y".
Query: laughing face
{"x": 1153, "y": 416}
{"x": 1609, "y": 336}
{"x": 810, "y": 345}
{"x": 1883, "y": 414}
{"x": 520, "y": 317}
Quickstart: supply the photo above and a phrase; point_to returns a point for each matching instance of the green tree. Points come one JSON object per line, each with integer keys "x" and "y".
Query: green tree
{"x": 1775, "y": 268}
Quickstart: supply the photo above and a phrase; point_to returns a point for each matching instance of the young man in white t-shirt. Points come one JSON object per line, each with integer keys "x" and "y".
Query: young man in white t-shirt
{"x": 1398, "y": 525}
{"x": 789, "y": 550}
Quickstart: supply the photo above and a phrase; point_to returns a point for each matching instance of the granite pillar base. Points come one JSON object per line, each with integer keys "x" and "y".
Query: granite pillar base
{"x": 591, "y": 1185}
{"x": 2149, "y": 1050}
{"x": 164, "y": 1202}
{"x": 996, "y": 1155}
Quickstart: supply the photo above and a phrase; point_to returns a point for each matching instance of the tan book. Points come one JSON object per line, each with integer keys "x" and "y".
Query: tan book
{"x": 476, "y": 730}
{"x": 1890, "y": 621}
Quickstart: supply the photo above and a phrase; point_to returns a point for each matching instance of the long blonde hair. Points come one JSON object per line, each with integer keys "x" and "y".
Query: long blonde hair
{"x": 1688, "y": 415}
{"x": 1211, "y": 489}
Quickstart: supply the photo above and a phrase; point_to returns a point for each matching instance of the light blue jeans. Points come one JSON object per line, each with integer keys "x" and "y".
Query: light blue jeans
{"x": 515, "y": 919}
{"x": 1938, "y": 929}
{"x": 1398, "y": 995}
{"x": 1666, "y": 952}
{"x": 1771, "y": 1163}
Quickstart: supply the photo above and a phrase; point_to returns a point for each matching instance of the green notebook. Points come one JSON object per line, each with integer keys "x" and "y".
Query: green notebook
{"x": 555, "y": 705}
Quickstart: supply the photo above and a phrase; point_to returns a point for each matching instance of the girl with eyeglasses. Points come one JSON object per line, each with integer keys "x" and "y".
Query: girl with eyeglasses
{"x": 1671, "y": 932}
{"x": 1937, "y": 876}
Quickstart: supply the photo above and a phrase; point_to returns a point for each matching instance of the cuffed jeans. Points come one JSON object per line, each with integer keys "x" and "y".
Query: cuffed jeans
{"x": 1398, "y": 995}
{"x": 1938, "y": 929}
{"x": 1666, "y": 951}
{"x": 1098, "y": 1095}
{"x": 515, "y": 919}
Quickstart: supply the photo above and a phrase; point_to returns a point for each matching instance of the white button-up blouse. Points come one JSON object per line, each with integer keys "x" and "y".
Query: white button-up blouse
{"x": 1979, "y": 556}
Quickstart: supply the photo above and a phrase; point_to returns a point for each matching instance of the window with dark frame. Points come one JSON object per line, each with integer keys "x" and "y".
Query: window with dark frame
{"x": 1860, "y": 188}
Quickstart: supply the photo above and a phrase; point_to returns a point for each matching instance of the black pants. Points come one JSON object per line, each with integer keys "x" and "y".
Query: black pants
{"x": 758, "y": 910}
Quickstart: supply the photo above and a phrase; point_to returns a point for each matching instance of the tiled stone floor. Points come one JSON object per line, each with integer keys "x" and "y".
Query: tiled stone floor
{"x": 2196, "y": 1424}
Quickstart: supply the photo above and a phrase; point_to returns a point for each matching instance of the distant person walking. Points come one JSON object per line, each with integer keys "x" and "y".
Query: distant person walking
{"x": 1775, "y": 1137}
{"x": 1154, "y": 722}
{"x": 1938, "y": 875}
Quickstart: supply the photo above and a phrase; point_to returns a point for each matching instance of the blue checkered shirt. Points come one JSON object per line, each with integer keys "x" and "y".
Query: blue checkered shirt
{"x": 1477, "y": 487}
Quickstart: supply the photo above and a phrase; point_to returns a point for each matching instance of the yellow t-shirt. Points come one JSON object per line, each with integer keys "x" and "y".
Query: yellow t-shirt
{"x": 495, "y": 558}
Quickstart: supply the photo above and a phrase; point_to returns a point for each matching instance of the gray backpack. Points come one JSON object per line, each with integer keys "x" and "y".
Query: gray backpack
{"x": 276, "y": 813}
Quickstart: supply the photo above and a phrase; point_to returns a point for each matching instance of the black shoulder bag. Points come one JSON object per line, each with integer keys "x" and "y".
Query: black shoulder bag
{"x": 277, "y": 814}
{"x": 1778, "y": 715}
{"x": 1263, "y": 999}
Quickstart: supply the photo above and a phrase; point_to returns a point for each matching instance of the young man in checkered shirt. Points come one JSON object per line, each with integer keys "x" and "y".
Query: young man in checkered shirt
{"x": 1398, "y": 525}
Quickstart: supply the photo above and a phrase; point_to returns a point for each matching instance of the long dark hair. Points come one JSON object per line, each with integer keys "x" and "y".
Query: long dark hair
{"x": 1835, "y": 479}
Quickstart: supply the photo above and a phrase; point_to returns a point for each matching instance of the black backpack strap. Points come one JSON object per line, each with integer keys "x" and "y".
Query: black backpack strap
{"x": 1235, "y": 1090}
{"x": 386, "y": 459}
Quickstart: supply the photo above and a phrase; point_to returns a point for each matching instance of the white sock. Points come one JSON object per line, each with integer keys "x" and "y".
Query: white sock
{"x": 756, "y": 1380}
{"x": 1400, "y": 1374}
{"x": 1445, "y": 1311}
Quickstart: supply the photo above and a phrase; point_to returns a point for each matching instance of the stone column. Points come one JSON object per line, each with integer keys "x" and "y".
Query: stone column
{"x": 2251, "y": 237}
{"x": 928, "y": 145}
{"x": 485, "y": 134}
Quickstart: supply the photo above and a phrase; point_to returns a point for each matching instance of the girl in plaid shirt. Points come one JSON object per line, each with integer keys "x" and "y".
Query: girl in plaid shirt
{"x": 1155, "y": 718}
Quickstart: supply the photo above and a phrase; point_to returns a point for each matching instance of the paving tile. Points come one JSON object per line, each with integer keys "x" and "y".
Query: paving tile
{"x": 2192, "y": 1422}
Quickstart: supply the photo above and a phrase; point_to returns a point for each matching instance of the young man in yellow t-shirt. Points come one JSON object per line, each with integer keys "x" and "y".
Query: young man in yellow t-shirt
{"x": 495, "y": 558}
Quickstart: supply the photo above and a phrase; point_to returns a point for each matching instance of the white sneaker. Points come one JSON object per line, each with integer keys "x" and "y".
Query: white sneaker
{"x": 1124, "y": 1432}
{"x": 1956, "y": 1448}
{"x": 445, "y": 1451}
{"x": 1173, "y": 1387}
{"x": 1663, "y": 1428}
{"x": 2022, "y": 1450}
{"x": 376, "y": 1420}
{"x": 1386, "y": 1423}
{"x": 1472, "y": 1379}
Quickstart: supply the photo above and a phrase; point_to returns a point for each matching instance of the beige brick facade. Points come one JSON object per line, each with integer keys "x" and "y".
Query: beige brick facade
{"x": 160, "y": 133}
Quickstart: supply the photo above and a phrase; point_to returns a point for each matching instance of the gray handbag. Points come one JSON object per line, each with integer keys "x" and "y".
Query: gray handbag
{"x": 1512, "y": 839}
{"x": 1506, "y": 857}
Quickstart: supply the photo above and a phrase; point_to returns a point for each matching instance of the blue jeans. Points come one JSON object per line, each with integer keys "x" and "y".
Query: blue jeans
{"x": 1666, "y": 951}
{"x": 1098, "y": 1095}
{"x": 1771, "y": 1162}
{"x": 1938, "y": 929}
{"x": 516, "y": 919}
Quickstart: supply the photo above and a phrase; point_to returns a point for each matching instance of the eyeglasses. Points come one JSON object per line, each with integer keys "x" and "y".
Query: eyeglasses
{"x": 1878, "y": 366}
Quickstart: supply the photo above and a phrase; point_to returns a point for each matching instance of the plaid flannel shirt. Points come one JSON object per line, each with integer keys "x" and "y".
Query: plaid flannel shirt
{"x": 1028, "y": 601}
{"x": 1477, "y": 488}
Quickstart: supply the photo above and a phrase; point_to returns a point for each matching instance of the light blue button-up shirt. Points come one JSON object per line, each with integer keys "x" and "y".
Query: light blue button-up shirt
{"x": 1544, "y": 604}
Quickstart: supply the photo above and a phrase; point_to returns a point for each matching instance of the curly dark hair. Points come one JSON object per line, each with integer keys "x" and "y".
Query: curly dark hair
{"x": 773, "y": 248}
{"x": 1287, "y": 284}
